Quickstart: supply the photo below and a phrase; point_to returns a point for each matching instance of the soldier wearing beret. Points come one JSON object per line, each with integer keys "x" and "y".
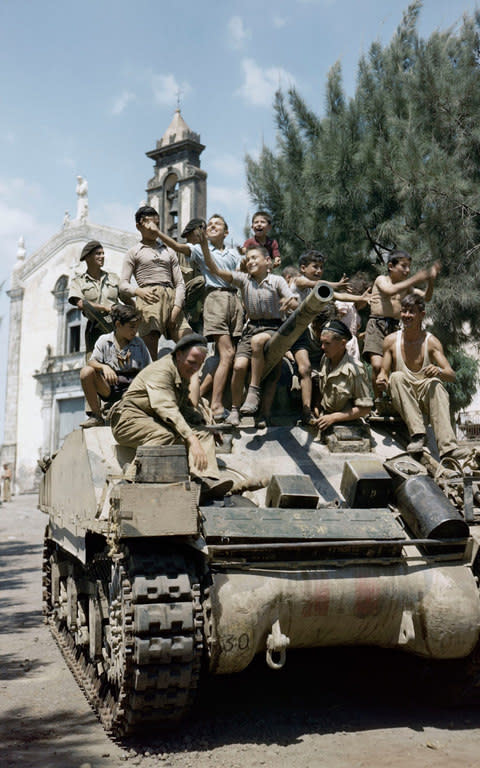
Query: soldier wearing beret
{"x": 94, "y": 293}
{"x": 157, "y": 410}
{"x": 344, "y": 392}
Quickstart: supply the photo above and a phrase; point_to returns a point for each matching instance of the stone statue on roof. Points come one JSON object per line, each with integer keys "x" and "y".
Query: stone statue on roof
{"x": 82, "y": 199}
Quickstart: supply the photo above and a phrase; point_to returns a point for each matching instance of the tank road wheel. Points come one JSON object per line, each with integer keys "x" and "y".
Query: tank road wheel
{"x": 47, "y": 577}
{"x": 137, "y": 655}
{"x": 153, "y": 641}
{"x": 54, "y": 580}
{"x": 97, "y": 618}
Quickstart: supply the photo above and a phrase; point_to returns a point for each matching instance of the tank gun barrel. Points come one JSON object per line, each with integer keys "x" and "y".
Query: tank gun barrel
{"x": 295, "y": 324}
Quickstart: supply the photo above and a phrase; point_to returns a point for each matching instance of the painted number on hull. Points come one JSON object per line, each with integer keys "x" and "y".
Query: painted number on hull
{"x": 230, "y": 643}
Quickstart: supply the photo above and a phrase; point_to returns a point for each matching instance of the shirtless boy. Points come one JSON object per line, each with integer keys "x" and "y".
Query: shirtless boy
{"x": 385, "y": 302}
{"x": 414, "y": 367}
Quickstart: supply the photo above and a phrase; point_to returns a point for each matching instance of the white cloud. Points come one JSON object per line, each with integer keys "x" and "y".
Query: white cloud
{"x": 279, "y": 21}
{"x": 229, "y": 197}
{"x": 228, "y": 164}
{"x": 122, "y": 101}
{"x": 237, "y": 32}
{"x": 259, "y": 85}
{"x": 166, "y": 89}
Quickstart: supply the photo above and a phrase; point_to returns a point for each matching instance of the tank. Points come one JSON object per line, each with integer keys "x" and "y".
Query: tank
{"x": 345, "y": 542}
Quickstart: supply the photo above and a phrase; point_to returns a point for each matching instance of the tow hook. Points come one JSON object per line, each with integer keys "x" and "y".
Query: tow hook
{"x": 277, "y": 643}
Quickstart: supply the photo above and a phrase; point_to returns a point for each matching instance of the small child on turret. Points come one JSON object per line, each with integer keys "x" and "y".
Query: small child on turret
{"x": 261, "y": 228}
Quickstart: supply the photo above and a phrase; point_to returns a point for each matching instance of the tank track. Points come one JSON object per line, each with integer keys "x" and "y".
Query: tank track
{"x": 152, "y": 642}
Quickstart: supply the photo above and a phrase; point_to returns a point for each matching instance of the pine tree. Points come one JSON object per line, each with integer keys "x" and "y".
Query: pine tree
{"x": 396, "y": 166}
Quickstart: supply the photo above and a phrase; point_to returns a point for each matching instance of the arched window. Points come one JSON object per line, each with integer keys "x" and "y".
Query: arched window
{"x": 170, "y": 208}
{"x": 70, "y": 322}
{"x": 73, "y": 329}
{"x": 61, "y": 288}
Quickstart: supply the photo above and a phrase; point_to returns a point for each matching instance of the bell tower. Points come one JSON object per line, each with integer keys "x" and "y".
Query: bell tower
{"x": 178, "y": 189}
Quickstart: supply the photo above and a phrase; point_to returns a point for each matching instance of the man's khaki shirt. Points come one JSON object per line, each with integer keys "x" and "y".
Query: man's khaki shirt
{"x": 344, "y": 386}
{"x": 159, "y": 391}
{"x": 104, "y": 291}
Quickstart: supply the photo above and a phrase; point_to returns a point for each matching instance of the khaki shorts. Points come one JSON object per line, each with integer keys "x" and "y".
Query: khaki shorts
{"x": 244, "y": 348}
{"x": 222, "y": 314}
{"x": 378, "y": 328}
{"x": 155, "y": 317}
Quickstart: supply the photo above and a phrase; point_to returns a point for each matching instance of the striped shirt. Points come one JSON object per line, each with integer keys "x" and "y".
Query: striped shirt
{"x": 152, "y": 266}
{"x": 262, "y": 300}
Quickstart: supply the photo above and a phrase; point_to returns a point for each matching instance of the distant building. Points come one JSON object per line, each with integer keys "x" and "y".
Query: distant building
{"x": 44, "y": 399}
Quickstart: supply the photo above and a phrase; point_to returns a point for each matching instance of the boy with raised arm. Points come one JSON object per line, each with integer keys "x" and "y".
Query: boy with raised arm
{"x": 222, "y": 310}
{"x": 265, "y": 297}
{"x": 385, "y": 304}
{"x": 160, "y": 290}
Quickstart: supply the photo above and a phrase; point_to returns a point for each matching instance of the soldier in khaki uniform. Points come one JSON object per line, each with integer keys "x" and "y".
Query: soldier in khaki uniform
{"x": 156, "y": 410}
{"x": 100, "y": 291}
{"x": 344, "y": 394}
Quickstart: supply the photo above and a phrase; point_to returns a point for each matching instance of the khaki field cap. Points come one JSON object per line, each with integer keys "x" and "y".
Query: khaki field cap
{"x": 336, "y": 326}
{"x": 190, "y": 340}
{"x": 89, "y": 248}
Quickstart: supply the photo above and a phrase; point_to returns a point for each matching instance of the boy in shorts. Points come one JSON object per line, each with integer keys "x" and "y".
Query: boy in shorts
{"x": 160, "y": 290}
{"x": 116, "y": 359}
{"x": 222, "y": 310}
{"x": 385, "y": 305}
{"x": 311, "y": 266}
{"x": 261, "y": 227}
{"x": 265, "y": 297}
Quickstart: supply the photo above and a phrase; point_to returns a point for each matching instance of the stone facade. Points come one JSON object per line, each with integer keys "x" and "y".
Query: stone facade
{"x": 44, "y": 399}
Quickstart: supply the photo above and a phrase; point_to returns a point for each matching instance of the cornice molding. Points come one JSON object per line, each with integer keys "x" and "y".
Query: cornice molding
{"x": 77, "y": 233}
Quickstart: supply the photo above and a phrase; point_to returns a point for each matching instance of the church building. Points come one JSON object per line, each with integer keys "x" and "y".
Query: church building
{"x": 46, "y": 347}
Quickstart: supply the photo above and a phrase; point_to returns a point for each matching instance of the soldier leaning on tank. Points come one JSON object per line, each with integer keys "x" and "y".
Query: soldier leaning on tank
{"x": 115, "y": 361}
{"x": 94, "y": 293}
{"x": 160, "y": 289}
{"x": 344, "y": 394}
{"x": 413, "y": 369}
{"x": 156, "y": 410}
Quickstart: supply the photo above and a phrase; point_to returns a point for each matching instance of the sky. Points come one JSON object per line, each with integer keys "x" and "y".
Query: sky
{"x": 88, "y": 87}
